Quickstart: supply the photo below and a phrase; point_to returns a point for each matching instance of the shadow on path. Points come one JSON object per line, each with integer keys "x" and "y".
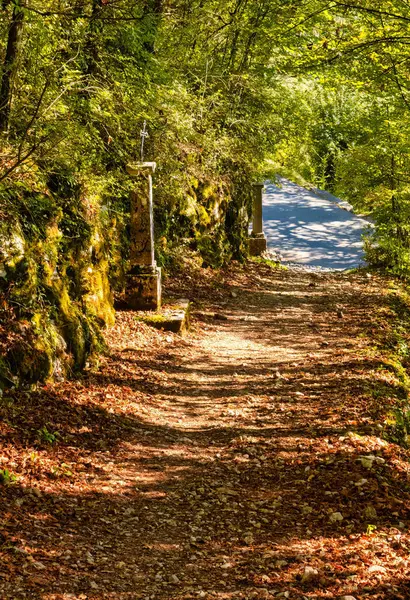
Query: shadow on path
{"x": 216, "y": 467}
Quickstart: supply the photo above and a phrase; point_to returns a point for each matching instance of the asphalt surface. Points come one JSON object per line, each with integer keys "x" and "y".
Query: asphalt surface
{"x": 312, "y": 228}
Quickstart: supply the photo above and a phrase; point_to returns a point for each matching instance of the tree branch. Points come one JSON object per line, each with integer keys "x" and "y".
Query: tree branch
{"x": 373, "y": 11}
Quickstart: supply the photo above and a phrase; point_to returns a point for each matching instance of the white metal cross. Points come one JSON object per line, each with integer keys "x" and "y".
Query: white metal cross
{"x": 144, "y": 134}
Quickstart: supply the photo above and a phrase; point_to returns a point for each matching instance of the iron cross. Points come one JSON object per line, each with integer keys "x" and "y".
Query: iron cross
{"x": 144, "y": 134}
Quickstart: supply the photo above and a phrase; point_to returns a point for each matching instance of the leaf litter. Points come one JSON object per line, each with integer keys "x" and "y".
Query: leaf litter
{"x": 243, "y": 461}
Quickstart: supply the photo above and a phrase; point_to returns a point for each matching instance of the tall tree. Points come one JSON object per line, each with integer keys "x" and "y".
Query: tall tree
{"x": 10, "y": 63}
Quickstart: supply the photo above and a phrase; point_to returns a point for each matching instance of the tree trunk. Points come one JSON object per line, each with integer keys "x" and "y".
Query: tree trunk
{"x": 11, "y": 62}
{"x": 95, "y": 29}
{"x": 153, "y": 11}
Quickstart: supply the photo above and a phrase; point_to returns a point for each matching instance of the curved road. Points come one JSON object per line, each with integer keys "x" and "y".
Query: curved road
{"x": 310, "y": 228}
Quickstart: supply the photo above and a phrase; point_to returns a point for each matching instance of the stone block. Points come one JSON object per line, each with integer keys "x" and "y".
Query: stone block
{"x": 143, "y": 290}
{"x": 175, "y": 317}
{"x": 257, "y": 245}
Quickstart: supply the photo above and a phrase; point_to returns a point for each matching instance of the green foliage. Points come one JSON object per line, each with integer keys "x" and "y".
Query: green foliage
{"x": 393, "y": 326}
{"x": 269, "y": 263}
{"x": 353, "y": 136}
{"x": 62, "y": 470}
{"x": 7, "y": 477}
{"x": 46, "y": 436}
{"x": 85, "y": 78}
{"x": 371, "y": 529}
{"x": 231, "y": 91}
{"x": 400, "y": 426}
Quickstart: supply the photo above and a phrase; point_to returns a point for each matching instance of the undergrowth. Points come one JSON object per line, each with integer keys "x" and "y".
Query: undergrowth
{"x": 391, "y": 331}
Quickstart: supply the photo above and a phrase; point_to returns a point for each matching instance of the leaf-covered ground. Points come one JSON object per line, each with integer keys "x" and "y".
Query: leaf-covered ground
{"x": 247, "y": 460}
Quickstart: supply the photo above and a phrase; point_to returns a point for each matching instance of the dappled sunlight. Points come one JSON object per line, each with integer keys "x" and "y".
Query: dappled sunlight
{"x": 307, "y": 229}
{"x": 224, "y": 464}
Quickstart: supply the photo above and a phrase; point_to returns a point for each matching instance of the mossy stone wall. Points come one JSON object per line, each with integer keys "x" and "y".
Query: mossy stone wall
{"x": 55, "y": 254}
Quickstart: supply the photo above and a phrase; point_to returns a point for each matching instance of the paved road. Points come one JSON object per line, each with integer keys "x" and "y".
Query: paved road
{"x": 311, "y": 229}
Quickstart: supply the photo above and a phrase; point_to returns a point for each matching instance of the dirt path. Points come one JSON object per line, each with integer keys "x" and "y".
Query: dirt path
{"x": 225, "y": 465}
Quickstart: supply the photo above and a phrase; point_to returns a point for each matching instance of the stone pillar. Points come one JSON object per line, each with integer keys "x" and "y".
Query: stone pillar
{"x": 144, "y": 278}
{"x": 257, "y": 241}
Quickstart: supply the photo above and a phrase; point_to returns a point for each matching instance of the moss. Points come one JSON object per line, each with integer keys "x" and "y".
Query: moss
{"x": 55, "y": 273}
{"x": 12, "y": 243}
{"x": 209, "y": 191}
{"x": 214, "y": 248}
{"x": 149, "y": 319}
{"x": 203, "y": 217}
{"x": 31, "y": 363}
{"x": 269, "y": 263}
{"x": 99, "y": 299}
